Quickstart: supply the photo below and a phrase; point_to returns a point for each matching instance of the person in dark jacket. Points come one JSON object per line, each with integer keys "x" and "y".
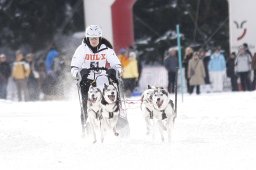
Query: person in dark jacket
{"x": 5, "y": 72}
{"x": 231, "y": 71}
{"x": 188, "y": 56}
{"x": 254, "y": 71}
{"x": 206, "y": 57}
{"x": 33, "y": 79}
{"x": 171, "y": 64}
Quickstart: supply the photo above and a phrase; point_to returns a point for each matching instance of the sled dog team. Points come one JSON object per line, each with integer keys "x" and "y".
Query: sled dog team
{"x": 103, "y": 111}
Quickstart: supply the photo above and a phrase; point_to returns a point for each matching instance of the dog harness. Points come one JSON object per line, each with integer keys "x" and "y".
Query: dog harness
{"x": 111, "y": 114}
{"x": 163, "y": 112}
{"x": 150, "y": 113}
{"x": 97, "y": 115}
{"x": 163, "y": 115}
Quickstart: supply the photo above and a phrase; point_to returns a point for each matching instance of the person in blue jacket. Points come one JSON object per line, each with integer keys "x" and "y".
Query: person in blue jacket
{"x": 217, "y": 70}
{"x": 49, "y": 61}
{"x": 49, "y": 85}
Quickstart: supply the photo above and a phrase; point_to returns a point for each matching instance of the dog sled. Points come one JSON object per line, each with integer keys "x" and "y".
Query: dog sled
{"x": 100, "y": 78}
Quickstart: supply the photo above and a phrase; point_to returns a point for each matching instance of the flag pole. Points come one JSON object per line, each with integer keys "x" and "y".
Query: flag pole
{"x": 180, "y": 61}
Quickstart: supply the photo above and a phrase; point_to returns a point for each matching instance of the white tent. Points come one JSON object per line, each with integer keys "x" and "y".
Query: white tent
{"x": 242, "y": 24}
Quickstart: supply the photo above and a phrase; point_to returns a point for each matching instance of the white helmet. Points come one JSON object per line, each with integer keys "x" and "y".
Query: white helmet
{"x": 93, "y": 31}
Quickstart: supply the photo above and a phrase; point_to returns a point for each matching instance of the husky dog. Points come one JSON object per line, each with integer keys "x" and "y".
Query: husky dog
{"x": 163, "y": 111}
{"x": 147, "y": 107}
{"x": 94, "y": 110}
{"x": 110, "y": 108}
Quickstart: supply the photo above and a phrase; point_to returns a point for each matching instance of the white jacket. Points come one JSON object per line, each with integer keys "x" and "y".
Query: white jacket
{"x": 85, "y": 58}
{"x": 243, "y": 62}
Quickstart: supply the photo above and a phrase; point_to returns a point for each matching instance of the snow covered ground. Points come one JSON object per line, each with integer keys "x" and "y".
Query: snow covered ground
{"x": 215, "y": 131}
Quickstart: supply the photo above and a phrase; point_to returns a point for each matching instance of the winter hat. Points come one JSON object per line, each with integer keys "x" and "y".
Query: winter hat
{"x": 122, "y": 50}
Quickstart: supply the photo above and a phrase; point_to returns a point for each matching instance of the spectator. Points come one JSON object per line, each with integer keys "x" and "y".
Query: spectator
{"x": 171, "y": 64}
{"x": 188, "y": 56}
{"x": 20, "y": 73}
{"x": 130, "y": 74}
{"x": 49, "y": 61}
{"x": 247, "y": 50}
{"x": 243, "y": 67}
{"x": 42, "y": 75}
{"x": 254, "y": 71}
{"x": 217, "y": 70}
{"x": 205, "y": 57}
{"x": 196, "y": 73}
{"x": 50, "y": 82}
{"x": 5, "y": 72}
{"x": 33, "y": 79}
{"x": 123, "y": 57}
{"x": 231, "y": 71}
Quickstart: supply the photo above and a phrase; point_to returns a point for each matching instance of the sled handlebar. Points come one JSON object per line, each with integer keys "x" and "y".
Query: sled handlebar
{"x": 86, "y": 71}
{"x": 97, "y": 68}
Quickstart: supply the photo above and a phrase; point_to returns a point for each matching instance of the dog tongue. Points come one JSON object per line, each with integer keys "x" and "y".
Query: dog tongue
{"x": 159, "y": 103}
{"x": 111, "y": 97}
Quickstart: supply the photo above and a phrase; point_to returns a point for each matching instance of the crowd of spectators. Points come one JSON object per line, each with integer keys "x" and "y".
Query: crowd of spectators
{"x": 210, "y": 69}
{"x": 30, "y": 79}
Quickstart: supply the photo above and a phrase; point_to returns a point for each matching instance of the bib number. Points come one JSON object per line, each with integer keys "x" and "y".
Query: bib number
{"x": 94, "y": 64}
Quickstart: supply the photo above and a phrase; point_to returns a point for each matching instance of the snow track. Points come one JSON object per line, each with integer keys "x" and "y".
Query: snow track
{"x": 212, "y": 131}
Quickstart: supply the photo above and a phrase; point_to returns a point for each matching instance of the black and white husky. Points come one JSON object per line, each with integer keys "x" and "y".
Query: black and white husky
{"x": 158, "y": 110}
{"x": 110, "y": 108}
{"x": 147, "y": 108}
{"x": 163, "y": 111}
{"x": 94, "y": 111}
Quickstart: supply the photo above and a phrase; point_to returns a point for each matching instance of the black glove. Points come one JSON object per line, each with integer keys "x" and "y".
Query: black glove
{"x": 84, "y": 73}
{"x": 112, "y": 74}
